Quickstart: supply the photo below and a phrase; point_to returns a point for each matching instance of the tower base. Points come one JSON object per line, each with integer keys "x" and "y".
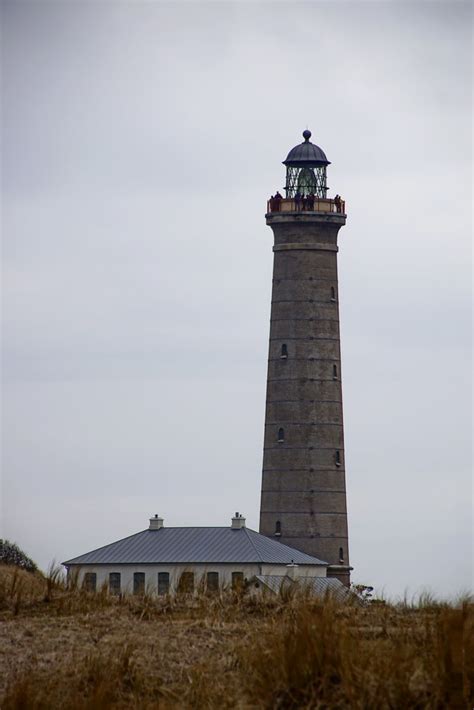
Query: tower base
{"x": 340, "y": 572}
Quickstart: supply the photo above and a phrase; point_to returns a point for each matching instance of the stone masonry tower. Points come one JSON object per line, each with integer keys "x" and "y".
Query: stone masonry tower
{"x": 303, "y": 500}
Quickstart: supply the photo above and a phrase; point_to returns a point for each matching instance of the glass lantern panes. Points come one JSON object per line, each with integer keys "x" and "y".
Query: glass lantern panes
{"x": 306, "y": 181}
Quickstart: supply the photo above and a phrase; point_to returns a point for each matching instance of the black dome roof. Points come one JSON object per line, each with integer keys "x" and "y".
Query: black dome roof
{"x": 306, "y": 154}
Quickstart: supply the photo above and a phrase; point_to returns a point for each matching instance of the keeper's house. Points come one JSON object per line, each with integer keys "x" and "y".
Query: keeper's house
{"x": 164, "y": 560}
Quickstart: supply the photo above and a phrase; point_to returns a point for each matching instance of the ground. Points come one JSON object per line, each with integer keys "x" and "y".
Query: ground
{"x": 64, "y": 648}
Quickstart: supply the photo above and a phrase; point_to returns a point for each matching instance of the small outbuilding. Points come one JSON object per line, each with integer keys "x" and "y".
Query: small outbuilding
{"x": 162, "y": 560}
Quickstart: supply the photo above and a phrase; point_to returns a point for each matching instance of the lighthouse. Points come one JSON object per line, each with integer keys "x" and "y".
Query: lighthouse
{"x": 303, "y": 500}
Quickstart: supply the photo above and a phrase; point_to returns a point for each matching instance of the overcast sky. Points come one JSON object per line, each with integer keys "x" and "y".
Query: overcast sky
{"x": 140, "y": 143}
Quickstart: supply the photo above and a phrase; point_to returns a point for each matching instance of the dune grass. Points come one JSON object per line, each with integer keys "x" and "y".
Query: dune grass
{"x": 66, "y": 648}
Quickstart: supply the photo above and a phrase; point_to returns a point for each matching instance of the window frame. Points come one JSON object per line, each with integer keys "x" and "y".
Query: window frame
{"x": 237, "y": 580}
{"x": 89, "y": 581}
{"x": 161, "y": 583}
{"x": 139, "y": 579}
{"x": 214, "y": 585}
{"x": 186, "y": 582}
{"x": 115, "y": 588}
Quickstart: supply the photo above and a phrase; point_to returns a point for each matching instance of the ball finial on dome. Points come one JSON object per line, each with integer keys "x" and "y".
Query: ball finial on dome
{"x": 306, "y": 135}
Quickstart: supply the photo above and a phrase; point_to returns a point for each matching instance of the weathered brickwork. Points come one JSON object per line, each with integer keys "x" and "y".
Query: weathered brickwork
{"x": 310, "y": 480}
{"x": 305, "y": 501}
{"x": 303, "y": 485}
{"x": 284, "y": 458}
{"x": 287, "y": 412}
{"x": 301, "y": 328}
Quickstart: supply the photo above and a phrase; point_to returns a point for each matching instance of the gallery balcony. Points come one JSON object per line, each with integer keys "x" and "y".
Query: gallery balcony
{"x": 313, "y": 205}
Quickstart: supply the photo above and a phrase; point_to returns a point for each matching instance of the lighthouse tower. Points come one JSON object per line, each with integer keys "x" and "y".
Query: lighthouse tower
{"x": 303, "y": 501}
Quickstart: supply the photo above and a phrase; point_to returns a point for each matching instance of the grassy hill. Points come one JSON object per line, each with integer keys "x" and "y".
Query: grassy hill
{"x": 71, "y": 649}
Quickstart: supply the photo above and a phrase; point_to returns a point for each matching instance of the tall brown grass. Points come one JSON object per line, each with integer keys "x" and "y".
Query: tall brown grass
{"x": 63, "y": 647}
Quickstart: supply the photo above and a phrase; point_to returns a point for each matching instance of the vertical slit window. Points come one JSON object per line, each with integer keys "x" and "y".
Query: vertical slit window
{"x": 338, "y": 458}
{"x": 278, "y": 528}
{"x": 163, "y": 582}
{"x": 284, "y": 352}
{"x": 341, "y": 555}
{"x": 281, "y": 435}
{"x": 333, "y": 293}
{"x": 334, "y": 372}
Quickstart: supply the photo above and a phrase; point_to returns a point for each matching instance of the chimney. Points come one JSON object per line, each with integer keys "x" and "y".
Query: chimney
{"x": 238, "y": 522}
{"x": 156, "y": 523}
{"x": 292, "y": 570}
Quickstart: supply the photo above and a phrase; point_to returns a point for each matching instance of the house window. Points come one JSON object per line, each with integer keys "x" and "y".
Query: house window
{"x": 334, "y": 372}
{"x": 163, "y": 582}
{"x": 281, "y": 435}
{"x": 139, "y": 582}
{"x": 284, "y": 352}
{"x": 90, "y": 582}
{"x": 237, "y": 580}
{"x": 277, "y": 528}
{"x": 213, "y": 581}
{"x": 338, "y": 458}
{"x": 333, "y": 293}
{"x": 186, "y": 583}
{"x": 115, "y": 582}
{"x": 341, "y": 555}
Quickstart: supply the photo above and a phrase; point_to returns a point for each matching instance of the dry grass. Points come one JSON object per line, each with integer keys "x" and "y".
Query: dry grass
{"x": 70, "y": 649}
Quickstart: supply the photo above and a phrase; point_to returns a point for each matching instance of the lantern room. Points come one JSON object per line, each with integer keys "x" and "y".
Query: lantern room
{"x": 306, "y": 169}
{"x": 306, "y": 188}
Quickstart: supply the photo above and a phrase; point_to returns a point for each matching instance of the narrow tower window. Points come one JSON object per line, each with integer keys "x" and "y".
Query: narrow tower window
{"x": 281, "y": 435}
{"x": 333, "y": 293}
{"x": 334, "y": 372}
{"x": 341, "y": 555}
{"x": 278, "y": 528}
{"x": 284, "y": 352}
{"x": 338, "y": 458}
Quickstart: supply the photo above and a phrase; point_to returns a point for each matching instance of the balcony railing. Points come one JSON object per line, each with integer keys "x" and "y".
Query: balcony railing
{"x": 306, "y": 204}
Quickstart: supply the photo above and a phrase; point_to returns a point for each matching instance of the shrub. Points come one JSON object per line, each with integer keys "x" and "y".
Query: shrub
{"x": 10, "y": 554}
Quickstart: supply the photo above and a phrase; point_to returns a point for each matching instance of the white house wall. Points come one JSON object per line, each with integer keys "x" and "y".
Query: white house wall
{"x": 299, "y": 570}
{"x": 175, "y": 571}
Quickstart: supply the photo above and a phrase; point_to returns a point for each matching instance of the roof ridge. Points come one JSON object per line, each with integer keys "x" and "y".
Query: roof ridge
{"x": 253, "y": 544}
{"x": 202, "y": 527}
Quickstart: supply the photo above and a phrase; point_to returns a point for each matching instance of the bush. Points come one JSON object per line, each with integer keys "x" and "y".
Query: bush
{"x": 10, "y": 554}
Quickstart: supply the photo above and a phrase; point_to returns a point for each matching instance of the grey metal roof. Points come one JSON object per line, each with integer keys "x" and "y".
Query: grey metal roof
{"x": 306, "y": 154}
{"x": 319, "y": 586}
{"x": 195, "y": 545}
